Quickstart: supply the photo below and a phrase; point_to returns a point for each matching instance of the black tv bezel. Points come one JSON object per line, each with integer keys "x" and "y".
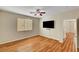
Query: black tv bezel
{"x": 49, "y": 27}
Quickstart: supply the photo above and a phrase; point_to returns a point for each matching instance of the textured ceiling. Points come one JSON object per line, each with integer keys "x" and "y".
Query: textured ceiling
{"x": 50, "y": 10}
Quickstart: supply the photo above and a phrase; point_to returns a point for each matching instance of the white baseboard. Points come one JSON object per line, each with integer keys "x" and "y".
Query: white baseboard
{"x": 15, "y": 39}
{"x": 61, "y": 41}
{"x": 28, "y": 37}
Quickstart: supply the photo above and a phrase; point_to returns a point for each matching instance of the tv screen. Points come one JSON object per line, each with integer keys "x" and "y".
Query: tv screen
{"x": 48, "y": 24}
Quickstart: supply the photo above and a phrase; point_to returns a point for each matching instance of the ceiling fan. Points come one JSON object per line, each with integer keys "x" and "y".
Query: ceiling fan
{"x": 38, "y": 12}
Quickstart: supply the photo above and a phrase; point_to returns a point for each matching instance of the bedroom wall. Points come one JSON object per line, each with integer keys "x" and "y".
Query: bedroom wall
{"x": 51, "y": 33}
{"x": 57, "y": 32}
{"x": 8, "y": 27}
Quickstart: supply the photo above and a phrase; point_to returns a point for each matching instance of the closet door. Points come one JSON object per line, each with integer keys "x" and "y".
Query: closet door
{"x": 71, "y": 26}
{"x": 20, "y": 24}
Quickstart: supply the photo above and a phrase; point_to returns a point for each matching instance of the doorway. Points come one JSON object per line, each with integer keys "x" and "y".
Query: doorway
{"x": 71, "y": 26}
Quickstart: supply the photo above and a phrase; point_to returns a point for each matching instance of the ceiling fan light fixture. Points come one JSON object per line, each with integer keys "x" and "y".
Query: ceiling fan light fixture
{"x": 38, "y": 12}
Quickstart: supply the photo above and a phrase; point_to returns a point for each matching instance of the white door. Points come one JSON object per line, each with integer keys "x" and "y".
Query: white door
{"x": 71, "y": 26}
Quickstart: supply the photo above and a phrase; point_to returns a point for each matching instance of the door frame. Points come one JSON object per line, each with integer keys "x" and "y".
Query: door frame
{"x": 76, "y": 30}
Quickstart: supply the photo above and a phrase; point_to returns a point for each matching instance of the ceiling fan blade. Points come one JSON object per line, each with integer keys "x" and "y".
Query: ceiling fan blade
{"x": 43, "y": 12}
{"x": 38, "y": 10}
{"x": 35, "y": 14}
{"x": 40, "y": 14}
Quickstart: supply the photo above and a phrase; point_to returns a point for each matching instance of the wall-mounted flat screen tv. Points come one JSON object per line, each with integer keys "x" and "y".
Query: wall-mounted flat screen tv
{"x": 48, "y": 24}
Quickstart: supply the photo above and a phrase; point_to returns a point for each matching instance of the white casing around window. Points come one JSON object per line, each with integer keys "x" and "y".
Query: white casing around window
{"x": 24, "y": 24}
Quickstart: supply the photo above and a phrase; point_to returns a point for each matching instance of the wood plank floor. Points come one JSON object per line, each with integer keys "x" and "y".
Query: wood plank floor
{"x": 36, "y": 44}
{"x": 68, "y": 44}
{"x": 78, "y": 49}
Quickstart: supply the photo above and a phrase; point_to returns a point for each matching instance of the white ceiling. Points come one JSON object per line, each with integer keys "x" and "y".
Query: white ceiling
{"x": 50, "y": 10}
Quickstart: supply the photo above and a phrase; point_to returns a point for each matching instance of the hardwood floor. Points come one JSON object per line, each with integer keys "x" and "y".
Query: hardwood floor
{"x": 36, "y": 44}
{"x": 78, "y": 49}
{"x": 68, "y": 44}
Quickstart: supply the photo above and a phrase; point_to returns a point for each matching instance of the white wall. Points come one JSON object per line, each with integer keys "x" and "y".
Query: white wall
{"x": 8, "y": 27}
{"x": 51, "y": 33}
{"x": 57, "y": 32}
